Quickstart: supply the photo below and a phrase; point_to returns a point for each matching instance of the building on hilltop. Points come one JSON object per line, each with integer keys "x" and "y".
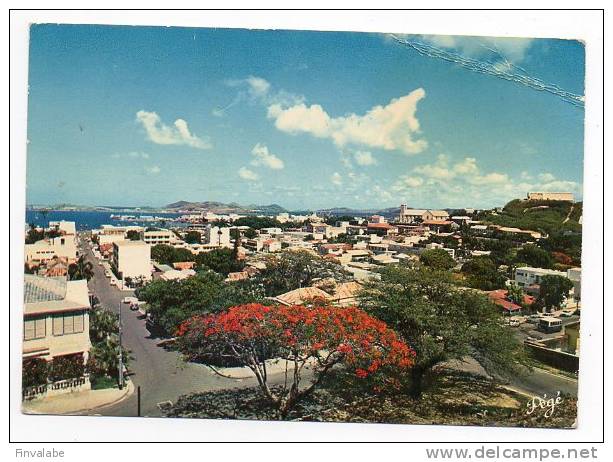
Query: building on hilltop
{"x": 409, "y": 216}
{"x": 551, "y": 196}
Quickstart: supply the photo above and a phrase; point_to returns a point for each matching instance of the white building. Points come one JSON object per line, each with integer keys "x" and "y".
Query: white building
{"x": 159, "y": 236}
{"x": 64, "y": 227}
{"x": 215, "y": 235}
{"x": 62, "y": 246}
{"x": 56, "y": 318}
{"x": 132, "y": 259}
{"x": 574, "y": 274}
{"x": 408, "y": 216}
{"x": 551, "y": 196}
{"x": 526, "y": 275}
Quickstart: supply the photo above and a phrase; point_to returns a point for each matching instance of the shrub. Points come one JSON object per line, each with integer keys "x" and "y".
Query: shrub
{"x": 35, "y": 372}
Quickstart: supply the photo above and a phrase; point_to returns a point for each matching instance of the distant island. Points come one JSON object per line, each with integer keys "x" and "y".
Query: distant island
{"x": 216, "y": 207}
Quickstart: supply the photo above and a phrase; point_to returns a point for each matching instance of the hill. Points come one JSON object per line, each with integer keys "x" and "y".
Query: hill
{"x": 549, "y": 216}
{"x": 220, "y": 207}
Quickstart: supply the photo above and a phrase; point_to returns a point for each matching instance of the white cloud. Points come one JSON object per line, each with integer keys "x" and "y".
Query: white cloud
{"x": 336, "y": 179}
{"x": 546, "y": 177}
{"x": 153, "y": 170}
{"x": 256, "y": 89}
{"x": 463, "y": 184}
{"x": 131, "y": 154}
{"x": 258, "y": 86}
{"x": 160, "y": 133}
{"x": 247, "y": 174}
{"x": 408, "y": 181}
{"x": 390, "y": 127}
{"x": 138, "y": 155}
{"x": 265, "y": 158}
{"x": 364, "y": 158}
{"x": 514, "y": 49}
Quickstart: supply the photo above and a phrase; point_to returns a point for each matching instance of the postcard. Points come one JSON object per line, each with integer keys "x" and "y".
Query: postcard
{"x": 303, "y": 226}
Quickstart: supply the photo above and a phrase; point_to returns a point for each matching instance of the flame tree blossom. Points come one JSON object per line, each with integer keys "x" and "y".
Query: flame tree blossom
{"x": 319, "y": 337}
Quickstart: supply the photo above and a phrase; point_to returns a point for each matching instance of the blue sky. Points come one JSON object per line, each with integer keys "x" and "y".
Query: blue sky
{"x": 149, "y": 115}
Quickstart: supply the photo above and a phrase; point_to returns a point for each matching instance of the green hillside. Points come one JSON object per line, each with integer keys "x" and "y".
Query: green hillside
{"x": 548, "y": 216}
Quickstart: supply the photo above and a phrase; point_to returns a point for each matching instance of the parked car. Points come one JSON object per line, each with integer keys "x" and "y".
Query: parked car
{"x": 129, "y": 300}
{"x": 567, "y": 313}
{"x": 534, "y": 318}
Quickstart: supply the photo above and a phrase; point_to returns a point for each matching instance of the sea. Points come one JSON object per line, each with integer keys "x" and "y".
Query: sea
{"x": 90, "y": 219}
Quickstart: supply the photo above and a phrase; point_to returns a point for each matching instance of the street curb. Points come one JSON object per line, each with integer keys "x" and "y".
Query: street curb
{"x": 517, "y": 390}
{"x": 128, "y": 392}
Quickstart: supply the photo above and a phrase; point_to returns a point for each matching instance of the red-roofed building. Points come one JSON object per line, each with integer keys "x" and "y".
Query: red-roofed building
{"x": 499, "y": 297}
{"x": 181, "y": 265}
{"x": 382, "y": 229}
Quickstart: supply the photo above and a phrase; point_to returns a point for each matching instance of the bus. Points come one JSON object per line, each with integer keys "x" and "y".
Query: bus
{"x": 550, "y": 324}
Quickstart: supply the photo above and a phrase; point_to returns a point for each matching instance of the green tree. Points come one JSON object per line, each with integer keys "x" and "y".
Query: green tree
{"x": 82, "y": 269}
{"x": 172, "y": 302}
{"x": 167, "y": 255}
{"x": 440, "y": 321}
{"x": 133, "y": 235}
{"x": 103, "y": 333}
{"x": 222, "y": 261}
{"x": 294, "y": 269}
{"x": 482, "y": 274}
{"x": 250, "y": 233}
{"x": 193, "y": 237}
{"x": 34, "y": 235}
{"x": 437, "y": 259}
{"x": 258, "y": 222}
{"x": 552, "y": 292}
{"x": 535, "y": 256}
{"x": 515, "y": 294}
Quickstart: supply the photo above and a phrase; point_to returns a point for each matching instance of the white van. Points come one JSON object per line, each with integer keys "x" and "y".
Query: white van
{"x": 550, "y": 324}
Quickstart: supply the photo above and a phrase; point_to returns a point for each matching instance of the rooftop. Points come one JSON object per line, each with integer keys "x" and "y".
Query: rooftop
{"x": 49, "y": 295}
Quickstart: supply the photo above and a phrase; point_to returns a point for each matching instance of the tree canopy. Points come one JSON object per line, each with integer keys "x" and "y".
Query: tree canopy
{"x": 294, "y": 269}
{"x": 481, "y": 273}
{"x": 172, "y": 302}
{"x": 222, "y": 261}
{"x": 193, "y": 237}
{"x": 439, "y": 320}
{"x": 167, "y": 255}
{"x": 534, "y": 256}
{"x": 552, "y": 291}
{"x": 133, "y": 235}
{"x": 437, "y": 259}
{"x": 321, "y": 336}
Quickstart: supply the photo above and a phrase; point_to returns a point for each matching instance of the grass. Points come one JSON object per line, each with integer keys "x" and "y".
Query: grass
{"x": 539, "y": 215}
{"x": 102, "y": 383}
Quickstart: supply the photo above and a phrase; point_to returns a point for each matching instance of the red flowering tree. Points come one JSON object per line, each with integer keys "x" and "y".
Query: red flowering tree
{"x": 319, "y": 336}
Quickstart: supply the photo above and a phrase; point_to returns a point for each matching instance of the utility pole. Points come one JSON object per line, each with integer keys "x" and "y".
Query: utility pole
{"x": 120, "y": 357}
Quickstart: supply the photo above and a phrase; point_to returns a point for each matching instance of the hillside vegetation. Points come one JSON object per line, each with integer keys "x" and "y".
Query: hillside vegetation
{"x": 548, "y": 216}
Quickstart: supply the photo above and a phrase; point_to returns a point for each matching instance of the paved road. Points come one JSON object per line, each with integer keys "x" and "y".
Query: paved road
{"x": 540, "y": 382}
{"x": 160, "y": 373}
{"x": 537, "y": 382}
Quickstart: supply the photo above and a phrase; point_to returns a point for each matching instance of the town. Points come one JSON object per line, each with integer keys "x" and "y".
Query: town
{"x": 107, "y": 309}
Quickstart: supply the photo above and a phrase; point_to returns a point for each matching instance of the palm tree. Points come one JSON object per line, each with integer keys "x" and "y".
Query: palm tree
{"x": 80, "y": 270}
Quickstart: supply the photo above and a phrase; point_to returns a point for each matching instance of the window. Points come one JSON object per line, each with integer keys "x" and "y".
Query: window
{"x": 68, "y": 323}
{"x": 34, "y": 328}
